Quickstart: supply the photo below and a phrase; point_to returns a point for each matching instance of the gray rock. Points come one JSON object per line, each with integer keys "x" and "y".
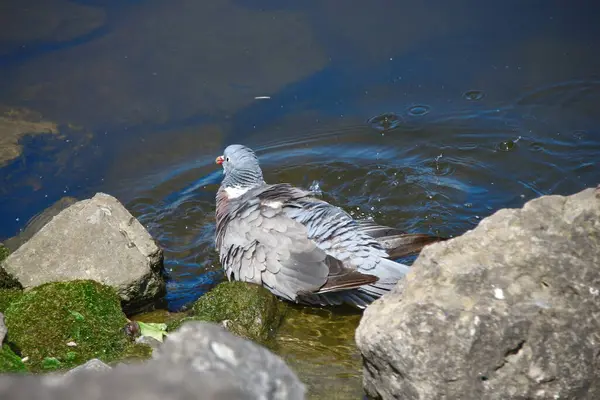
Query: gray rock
{"x": 210, "y": 348}
{"x": 199, "y": 361}
{"x": 37, "y": 222}
{"x": 94, "y": 239}
{"x": 57, "y": 378}
{"x": 509, "y": 310}
{"x": 92, "y": 365}
{"x": 3, "y": 329}
{"x": 149, "y": 341}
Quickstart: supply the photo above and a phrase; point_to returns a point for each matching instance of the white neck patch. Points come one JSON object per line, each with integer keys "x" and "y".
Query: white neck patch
{"x": 234, "y": 192}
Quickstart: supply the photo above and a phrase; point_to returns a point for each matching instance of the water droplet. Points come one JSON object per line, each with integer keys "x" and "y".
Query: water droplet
{"x": 579, "y": 134}
{"x": 315, "y": 187}
{"x": 473, "y": 95}
{"x": 419, "y": 110}
{"x": 385, "y": 121}
{"x": 507, "y": 145}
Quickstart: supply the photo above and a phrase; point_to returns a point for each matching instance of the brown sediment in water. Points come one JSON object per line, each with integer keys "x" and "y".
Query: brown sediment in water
{"x": 15, "y": 123}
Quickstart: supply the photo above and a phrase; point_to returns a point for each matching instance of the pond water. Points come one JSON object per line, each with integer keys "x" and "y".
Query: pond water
{"x": 425, "y": 116}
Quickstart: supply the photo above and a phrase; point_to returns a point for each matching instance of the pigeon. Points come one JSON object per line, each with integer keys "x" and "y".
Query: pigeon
{"x": 298, "y": 246}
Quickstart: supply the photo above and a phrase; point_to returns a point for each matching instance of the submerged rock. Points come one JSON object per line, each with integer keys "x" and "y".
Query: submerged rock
{"x": 94, "y": 239}
{"x": 200, "y": 360}
{"x": 318, "y": 344}
{"x": 508, "y": 310}
{"x": 245, "y": 309}
{"x": 16, "y": 123}
{"x": 60, "y": 325}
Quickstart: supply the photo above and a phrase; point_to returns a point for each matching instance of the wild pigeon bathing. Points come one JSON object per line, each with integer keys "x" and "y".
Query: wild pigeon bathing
{"x": 300, "y": 247}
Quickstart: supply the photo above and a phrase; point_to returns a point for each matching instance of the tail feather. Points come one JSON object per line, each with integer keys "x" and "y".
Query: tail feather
{"x": 397, "y": 243}
{"x": 403, "y": 245}
{"x": 354, "y": 297}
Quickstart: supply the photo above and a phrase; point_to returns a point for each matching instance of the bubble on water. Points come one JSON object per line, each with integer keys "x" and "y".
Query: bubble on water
{"x": 419, "y": 110}
{"x": 507, "y": 145}
{"x": 473, "y": 95}
{"x": 385, "y": 122}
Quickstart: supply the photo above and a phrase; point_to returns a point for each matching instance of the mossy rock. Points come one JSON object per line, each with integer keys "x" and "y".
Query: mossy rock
{"x": 10, "y": 362}
{"x": 8, "y": 296}
{"x": 45, "y": 320}
{"x": 3, "y": 252}
{"x": 247, "y": 310}
{"x": 6, "y": 279}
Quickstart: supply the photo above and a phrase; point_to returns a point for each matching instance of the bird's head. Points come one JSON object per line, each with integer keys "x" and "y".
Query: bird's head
{"x": 240, "y": 166}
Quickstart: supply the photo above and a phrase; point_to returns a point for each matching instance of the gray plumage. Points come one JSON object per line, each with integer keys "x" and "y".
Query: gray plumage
{"x": 302, "y": 248}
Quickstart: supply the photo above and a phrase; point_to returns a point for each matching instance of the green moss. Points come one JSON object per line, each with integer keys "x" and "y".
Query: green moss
{"x": 250, "y": 310}
{"x": 10, "y": 362}
{"x": 7, "y": 296}
{"x": 159, "y": 316}
{"x": 3, "y": 252}
{"x": 136, "y": 352}
{"x": 6, "y": 279}
{"x": 43, "y": 322}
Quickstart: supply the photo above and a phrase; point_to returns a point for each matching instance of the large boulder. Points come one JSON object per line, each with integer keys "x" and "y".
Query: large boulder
{"x": 199, "y": 361}
{"x": 509, "y": 310}
{"x": 94, "y": 239}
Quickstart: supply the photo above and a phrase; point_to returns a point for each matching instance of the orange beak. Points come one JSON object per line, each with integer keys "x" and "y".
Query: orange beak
{"x": 220, "y": 160}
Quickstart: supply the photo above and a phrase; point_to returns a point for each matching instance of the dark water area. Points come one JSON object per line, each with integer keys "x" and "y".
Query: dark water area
{"x": 426, "y": 116}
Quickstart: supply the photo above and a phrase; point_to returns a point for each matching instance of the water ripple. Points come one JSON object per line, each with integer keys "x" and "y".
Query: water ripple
{"x": 441, "y": 176}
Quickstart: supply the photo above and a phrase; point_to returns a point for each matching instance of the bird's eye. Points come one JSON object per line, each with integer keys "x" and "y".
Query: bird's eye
{"x": 227, "y": 159}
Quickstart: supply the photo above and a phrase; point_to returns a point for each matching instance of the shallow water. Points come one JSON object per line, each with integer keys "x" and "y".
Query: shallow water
{"x": 319, "y": 345}
{"x": 426, "y": 117}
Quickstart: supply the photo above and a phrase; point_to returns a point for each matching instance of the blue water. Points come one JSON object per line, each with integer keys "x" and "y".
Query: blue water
{"x": 424, "y": 116}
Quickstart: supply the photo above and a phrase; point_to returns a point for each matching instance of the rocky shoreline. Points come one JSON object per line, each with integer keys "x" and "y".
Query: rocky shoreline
{"x": 507, "y": 310}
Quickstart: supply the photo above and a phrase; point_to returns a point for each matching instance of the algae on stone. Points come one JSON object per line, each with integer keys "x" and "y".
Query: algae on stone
{"x": 7, "y": 296}
{"x": 62, "y": 324}
{"x": 246, "y": 309}
{"x": 3, "y": 252}
{"x": 6, "y": 279}
{"x": 10, "y": 362}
